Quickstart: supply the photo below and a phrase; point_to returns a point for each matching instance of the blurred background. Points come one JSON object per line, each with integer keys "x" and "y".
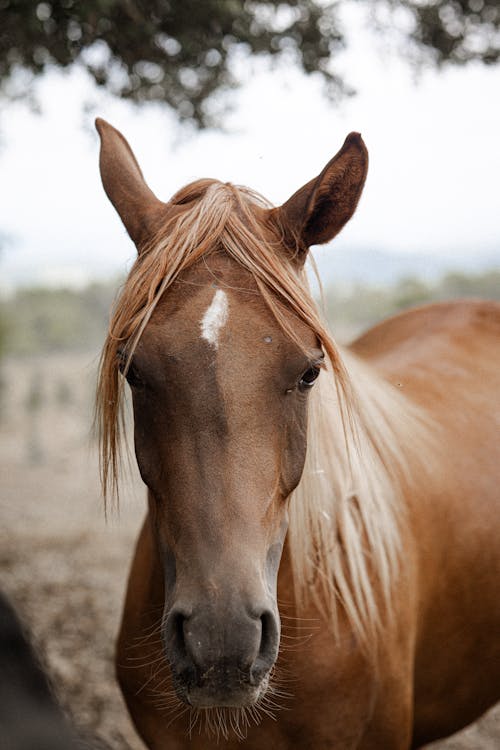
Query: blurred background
{"x": 258, "y": 93}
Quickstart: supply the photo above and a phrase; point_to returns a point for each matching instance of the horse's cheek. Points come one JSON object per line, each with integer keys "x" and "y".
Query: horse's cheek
{"x": 149, "y": 459}
{"x": 294, "y": 453}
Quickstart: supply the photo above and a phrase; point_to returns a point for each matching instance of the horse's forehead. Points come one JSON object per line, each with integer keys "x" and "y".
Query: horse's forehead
{"x": 213, "y": 295}
{"x": 217, "y": 302}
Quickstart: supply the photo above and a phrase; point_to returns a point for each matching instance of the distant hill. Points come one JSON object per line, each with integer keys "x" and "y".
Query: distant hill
{"x": 341, "y": 265}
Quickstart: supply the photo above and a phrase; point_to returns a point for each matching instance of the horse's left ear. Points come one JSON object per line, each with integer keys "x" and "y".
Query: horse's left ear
{"x": 319, "y": 210}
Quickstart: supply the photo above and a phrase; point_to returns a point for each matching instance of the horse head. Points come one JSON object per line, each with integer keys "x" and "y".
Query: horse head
{"x": 220, "y": 347}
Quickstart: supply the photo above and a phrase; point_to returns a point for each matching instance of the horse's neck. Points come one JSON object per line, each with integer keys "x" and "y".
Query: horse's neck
{"x": 144, "y": 599}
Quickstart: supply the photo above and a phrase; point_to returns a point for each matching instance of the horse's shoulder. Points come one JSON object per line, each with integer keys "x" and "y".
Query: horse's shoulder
{"x": 457, "y": 320}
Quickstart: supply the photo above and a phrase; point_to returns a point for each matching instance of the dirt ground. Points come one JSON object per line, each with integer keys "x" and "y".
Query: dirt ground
{"x": 62, "y": 565}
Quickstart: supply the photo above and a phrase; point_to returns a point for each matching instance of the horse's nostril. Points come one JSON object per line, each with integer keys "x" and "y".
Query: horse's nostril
{"x": 268, "y": 650}
{"x": 175, "y": 640}
{"x": 268, "y": 636}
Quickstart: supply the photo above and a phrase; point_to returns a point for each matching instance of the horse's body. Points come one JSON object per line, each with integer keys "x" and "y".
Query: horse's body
{"x": 403, "y": 646}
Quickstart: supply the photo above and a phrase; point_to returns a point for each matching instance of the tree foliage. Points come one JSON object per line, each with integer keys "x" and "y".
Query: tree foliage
{"x": 457, "y": 31}
{"x": 180, "y": 51}
{"x": 173, "y": 51}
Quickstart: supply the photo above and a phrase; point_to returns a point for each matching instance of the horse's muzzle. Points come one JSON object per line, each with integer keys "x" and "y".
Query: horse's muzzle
{"x": 221, "y": 661}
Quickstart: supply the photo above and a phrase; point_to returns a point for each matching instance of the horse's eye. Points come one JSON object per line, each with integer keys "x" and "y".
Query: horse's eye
{"x": 121, "y": 359}
{"x": 130, "y": 372}
{"x": 308, "y": 378}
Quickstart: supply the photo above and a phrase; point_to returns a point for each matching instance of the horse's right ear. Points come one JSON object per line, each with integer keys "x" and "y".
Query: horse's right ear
{"x": 138, "y": 207}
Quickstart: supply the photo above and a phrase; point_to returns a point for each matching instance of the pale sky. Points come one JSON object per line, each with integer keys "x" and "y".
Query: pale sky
{"x": 433, "y": 183}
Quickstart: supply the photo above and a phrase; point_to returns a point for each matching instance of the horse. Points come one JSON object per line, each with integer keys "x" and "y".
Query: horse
{"x": 319, "y": 563}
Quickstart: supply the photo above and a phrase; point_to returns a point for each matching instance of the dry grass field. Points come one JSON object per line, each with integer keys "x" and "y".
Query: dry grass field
{"x": 62, "y": 565}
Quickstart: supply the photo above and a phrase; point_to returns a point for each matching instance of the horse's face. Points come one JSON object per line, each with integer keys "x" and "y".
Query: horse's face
{"x": 220, "y": 405}
{"x": 220, "y": 409}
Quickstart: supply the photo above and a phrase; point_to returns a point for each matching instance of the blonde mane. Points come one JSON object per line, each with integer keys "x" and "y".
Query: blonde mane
{"x": 346, "y": 513}
{"x": 344, "y": 532}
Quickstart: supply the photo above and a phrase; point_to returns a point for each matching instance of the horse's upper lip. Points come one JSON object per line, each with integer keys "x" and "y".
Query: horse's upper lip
{"x": 216, "y": 689}
{"x": 204, "y": 697}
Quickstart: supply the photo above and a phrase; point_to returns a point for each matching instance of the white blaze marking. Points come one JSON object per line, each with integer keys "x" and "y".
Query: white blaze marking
{"x": 215, "y": 318}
